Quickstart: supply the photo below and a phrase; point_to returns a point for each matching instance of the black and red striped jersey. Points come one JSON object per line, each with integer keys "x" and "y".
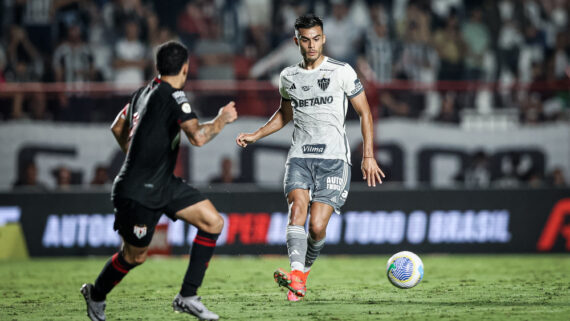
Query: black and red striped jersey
{"x": 154, "y": 115}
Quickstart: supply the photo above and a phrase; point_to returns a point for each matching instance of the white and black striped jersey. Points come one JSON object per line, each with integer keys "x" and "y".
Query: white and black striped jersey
{"x": 380, "y": 56}
{"x": 319, "y": 98}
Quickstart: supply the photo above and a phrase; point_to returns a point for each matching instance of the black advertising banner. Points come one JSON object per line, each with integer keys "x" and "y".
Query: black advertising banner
{"x": 373, "y": 222}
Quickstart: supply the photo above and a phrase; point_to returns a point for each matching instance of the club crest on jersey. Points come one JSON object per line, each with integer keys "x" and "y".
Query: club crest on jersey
{"x": 324, "y": 83}
{"x": 140, "y": 231}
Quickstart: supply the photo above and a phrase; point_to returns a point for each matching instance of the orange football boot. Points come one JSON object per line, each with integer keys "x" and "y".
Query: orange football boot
{"x": 291, "y": 296}
{"x": 294, "y": 281}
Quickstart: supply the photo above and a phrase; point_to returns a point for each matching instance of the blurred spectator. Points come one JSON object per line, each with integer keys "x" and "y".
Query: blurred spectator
{"x": 449, "y": 112}
{"x": 63, "y": 178}
{"x": 514, "y": 171}
{"x": 451, "y": 48}
{"x": 531, "y": 110}
{"x": 286, "y": 52}
{"x": 379, "y": 48}
{"x": 118, "y": 12}
{"x": 226, "y": 173}
{"x": 131, "y": 56}
{"x": 555, "y": 19}
{"x": 286, "y": 14}
{"x": 24, "y": 65}
{"x": 28, "y": 178}
{"x": 73, "y": 63}
{"x": 531, "y": 52}
{"x": 478, "y": 173}
{"x": 71, "y": 13}
{"x": 561, "y": 55}
{"x": 509, "y": 42}
{"x": 477, "y": 41}
{"x": 259, "y": 23}
{"x": 418, "y": 60}
{"x": 73, "y": 59}
{"x": 101, "y": 176}
{"x": 233, "y": 21}
{"x": 162, "y": 35}
{"x": 442, "y": 9}
{"x": 414, "y": 15}
{"x": 197, "y": 21}
{"x": 556, "y": 178}
{"x": 535, "y": 180}
{"x": 517, "y": 42}
{"x": 342, "y": 33}
{"x": 38, "y": 18}
{"x": 100, "y": 40}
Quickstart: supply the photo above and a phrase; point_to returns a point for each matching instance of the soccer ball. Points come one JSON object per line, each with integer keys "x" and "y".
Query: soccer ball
{"x": 405, "y": 270}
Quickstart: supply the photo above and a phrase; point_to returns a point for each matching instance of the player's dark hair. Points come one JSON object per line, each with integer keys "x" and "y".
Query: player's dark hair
{"x": 307, "y": 21}
{"x": 170, "y": 58}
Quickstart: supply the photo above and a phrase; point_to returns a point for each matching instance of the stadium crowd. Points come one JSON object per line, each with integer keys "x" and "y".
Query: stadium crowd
{"x": 418, "y": 59}
{"x": 522, "y": 46}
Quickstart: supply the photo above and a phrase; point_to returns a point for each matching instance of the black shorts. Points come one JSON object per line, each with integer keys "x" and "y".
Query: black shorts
{"x": 136, "y": 222}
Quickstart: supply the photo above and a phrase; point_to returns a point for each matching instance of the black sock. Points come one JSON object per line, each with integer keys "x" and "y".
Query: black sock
{"x": 113, "y": 272}
{"x": 200, "y": 255}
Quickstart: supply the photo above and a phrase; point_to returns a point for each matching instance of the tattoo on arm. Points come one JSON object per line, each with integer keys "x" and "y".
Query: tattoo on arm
{"x": 207, "y": 131}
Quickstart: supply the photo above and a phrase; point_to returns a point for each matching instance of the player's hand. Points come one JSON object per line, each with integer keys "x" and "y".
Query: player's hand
{"x": 371, "y": 172}
{"x": 228, "y": 113}
{"x": 244, "y": 139}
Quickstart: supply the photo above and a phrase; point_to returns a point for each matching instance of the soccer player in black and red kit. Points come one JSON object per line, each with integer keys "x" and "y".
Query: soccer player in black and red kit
{"x": 148, "y": 131}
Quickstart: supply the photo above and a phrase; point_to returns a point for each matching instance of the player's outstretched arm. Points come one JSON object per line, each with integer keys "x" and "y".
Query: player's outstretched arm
{"x": 200, "y": 133}
{"x": 371, "y": 172}
{"x": 281, "y": 118}
{"x": 120, "y": 129}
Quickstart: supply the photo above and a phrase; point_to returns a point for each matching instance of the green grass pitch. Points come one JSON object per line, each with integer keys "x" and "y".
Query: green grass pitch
{"x": 455, "y": 287}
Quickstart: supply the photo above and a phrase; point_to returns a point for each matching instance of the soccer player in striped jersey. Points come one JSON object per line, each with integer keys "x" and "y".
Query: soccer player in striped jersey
{"x": 315, "y": 94}
{"x": 148, "y": 131}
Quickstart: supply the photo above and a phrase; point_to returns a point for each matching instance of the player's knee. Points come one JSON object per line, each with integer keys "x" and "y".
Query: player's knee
{"x": 135, "y": 257}
{"x": 217, "y": 224}
{"x": 298, "y": 211}
{"x": 141, "y": 258}
{"x": 214, "y": 224}
{"x": 318, "y": 230}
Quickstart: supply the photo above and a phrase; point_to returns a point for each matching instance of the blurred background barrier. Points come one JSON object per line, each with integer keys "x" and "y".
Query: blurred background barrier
{"x": 71, "y": 156}
{"x": 423, "y": 221}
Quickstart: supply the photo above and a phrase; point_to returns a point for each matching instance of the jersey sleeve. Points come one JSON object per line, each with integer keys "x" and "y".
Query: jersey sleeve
{"x": 283, "y": 87}
{"x": 349, "y": 82}
{"x": 182, "y": 109}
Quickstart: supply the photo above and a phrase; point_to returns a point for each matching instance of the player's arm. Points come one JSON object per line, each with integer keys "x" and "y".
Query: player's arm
{"x": 120, "y": 129}
{"x": 371, "y": 172}
{"x": 200, "y": 133}
{"x": 281, "y": 118}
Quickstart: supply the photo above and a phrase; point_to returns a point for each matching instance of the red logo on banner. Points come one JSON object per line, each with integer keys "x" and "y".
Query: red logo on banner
{"x": 251, "y": 228}
{"x": 555, "y": 226}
